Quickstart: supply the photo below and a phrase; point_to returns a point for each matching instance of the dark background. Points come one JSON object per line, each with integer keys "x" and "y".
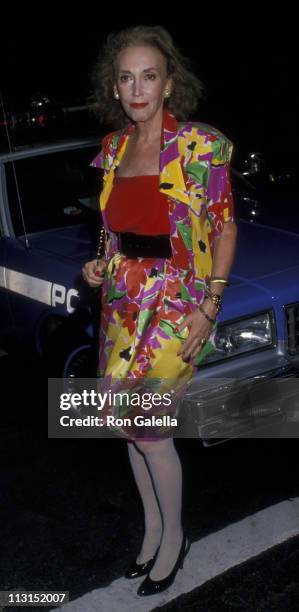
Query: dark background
{"x": 68, "y": 509}
{"x": 246, "y": 59}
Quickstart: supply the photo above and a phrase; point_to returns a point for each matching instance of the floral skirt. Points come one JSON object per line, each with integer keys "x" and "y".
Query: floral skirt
{"x": 141, "y": 309}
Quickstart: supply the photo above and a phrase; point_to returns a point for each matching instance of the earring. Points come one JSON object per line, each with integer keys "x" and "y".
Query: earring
{"x": 167, "y": 94}
{"x": 116, "y": 96}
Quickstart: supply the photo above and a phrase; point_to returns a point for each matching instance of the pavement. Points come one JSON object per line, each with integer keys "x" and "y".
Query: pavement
{"x": 220, "y": 570}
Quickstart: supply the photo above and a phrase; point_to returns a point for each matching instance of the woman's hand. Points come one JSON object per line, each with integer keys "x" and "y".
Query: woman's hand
{"x": 200, "y": 329}
{"x": 93, "y": 272}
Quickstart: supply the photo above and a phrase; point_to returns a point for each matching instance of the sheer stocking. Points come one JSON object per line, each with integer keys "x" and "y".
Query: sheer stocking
{"x": 152, "y": 515}
{"x": 165, "y": 470}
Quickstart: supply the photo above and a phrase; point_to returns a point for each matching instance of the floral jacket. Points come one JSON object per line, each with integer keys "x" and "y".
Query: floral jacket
{"x": 195, "y": 175}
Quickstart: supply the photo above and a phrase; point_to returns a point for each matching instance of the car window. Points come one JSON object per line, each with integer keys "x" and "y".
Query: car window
{"x": 56, "y": 190}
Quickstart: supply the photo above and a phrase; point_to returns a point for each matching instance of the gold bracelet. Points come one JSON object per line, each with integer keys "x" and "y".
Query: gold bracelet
{"x": 216, "y": 298}
{"x": 215, "y": 301}
{"x": 209, "y": 292}
{"x": 218, "y": 280}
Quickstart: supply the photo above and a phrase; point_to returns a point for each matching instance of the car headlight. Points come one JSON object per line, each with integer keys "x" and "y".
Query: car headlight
{"x": 242, "y": 336}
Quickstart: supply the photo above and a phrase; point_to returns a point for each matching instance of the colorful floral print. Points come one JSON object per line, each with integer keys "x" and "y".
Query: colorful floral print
{"x": 145, "y": 299}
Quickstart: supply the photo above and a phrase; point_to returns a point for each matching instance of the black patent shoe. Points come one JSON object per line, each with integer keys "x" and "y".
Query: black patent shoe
{"x": 151, "y": 587}
{"x": 140, "y": 569}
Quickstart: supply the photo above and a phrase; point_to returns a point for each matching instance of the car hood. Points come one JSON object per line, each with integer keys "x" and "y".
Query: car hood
{"x": 74, "y": 243}
{"x": 263, "y": 251}
{"x": 265, "y": 272}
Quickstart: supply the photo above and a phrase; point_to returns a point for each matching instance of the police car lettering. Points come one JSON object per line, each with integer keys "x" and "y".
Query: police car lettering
{"x": 37, "y": 289}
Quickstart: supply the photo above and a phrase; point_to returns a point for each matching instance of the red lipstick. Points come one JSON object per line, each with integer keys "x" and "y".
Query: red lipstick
{"x": 139, "y": 105}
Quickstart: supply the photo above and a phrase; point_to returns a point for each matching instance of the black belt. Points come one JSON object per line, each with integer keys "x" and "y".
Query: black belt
{"x": 139, "y": 245}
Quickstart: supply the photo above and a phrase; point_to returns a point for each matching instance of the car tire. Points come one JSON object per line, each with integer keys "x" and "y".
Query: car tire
{"x": 66, "y": 355}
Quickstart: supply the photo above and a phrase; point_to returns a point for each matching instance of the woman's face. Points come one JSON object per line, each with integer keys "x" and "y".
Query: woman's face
{"x": 141, "y": 81}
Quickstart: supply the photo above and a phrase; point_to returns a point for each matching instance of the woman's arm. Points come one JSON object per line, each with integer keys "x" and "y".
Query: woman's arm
{"x": 200, "y": 327}
{"x": 223, "y": 257}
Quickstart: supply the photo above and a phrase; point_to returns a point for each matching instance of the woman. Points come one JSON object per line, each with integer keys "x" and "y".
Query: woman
{"x": 170, "y": 238}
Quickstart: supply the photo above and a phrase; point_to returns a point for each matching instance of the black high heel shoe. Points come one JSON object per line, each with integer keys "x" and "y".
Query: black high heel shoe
{"x": 140, "y": 569}
{"x": 150, "y": 587}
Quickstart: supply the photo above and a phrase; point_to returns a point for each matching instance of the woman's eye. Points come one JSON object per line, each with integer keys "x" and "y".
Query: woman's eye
{"x": 151, "y": 77}
{"x": 124, "y": 78}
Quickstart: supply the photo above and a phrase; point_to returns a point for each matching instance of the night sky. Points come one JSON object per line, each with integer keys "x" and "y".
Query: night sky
{"x": 247, "y": 65}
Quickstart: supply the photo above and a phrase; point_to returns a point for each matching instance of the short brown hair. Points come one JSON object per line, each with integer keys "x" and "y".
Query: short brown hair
{"x": 187, "y": 88}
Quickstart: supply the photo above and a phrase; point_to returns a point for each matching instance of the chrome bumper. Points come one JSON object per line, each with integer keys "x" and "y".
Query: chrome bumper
{"x": 217, "y": 408}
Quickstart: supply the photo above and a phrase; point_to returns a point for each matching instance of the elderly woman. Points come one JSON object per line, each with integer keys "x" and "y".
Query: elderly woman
{"x": 170, "y": 236}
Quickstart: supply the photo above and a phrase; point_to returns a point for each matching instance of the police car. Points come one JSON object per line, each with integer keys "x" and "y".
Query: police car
{"x": 49, "y": 224}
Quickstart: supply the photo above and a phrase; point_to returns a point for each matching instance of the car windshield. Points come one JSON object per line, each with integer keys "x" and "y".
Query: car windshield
{"x": 56, "y": 189}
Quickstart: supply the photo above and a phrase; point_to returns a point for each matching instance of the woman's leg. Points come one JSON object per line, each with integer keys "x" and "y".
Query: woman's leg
{"x": 152, "y": 515}
{"x": 166, "y": 471}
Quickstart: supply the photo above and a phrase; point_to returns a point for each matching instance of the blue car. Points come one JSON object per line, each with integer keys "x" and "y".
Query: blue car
{"x": 49, "y": 228}
{"x": 49, "y": 224}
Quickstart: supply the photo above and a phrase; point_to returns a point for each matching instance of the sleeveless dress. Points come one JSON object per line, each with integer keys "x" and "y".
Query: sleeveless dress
{"x": 140, "y": 312}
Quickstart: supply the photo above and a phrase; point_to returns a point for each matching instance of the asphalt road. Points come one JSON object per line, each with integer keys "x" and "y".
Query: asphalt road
{"x": 71, "y": 518}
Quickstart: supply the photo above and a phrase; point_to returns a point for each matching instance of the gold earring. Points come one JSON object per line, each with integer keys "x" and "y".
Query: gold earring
{"x": 167, "y": 94}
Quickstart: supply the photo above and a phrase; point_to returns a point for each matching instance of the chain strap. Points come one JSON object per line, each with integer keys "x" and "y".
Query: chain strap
{"x": 100, "y": 251}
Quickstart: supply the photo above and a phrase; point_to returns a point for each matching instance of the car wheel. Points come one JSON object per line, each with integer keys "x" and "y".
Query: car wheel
{"x": 80, "y": 363}
{"x": 66, "y": 355}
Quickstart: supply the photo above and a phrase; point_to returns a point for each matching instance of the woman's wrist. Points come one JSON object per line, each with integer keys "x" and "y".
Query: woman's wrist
{"x": 210, "y": 306}
{"x": 212, "y": 298}
{"x": 208, "y": 311}
{"x": 213, "y": 293}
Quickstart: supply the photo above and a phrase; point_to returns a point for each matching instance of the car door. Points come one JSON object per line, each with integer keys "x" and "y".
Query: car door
{"x": 6, "y": 320}
{"x": 47, "y": 206}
